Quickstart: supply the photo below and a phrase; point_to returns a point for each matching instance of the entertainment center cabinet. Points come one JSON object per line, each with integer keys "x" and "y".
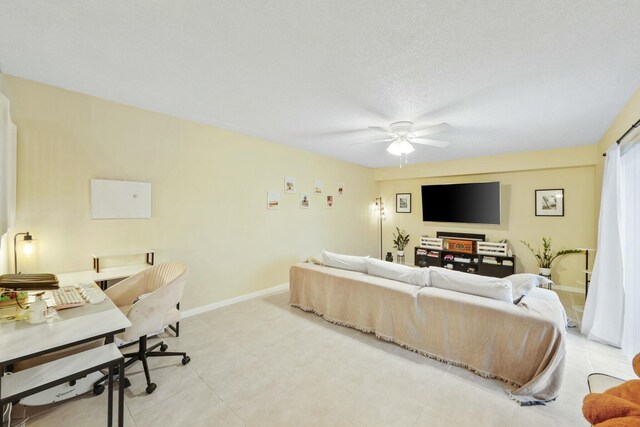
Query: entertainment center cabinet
{"x": 459, "y": 252}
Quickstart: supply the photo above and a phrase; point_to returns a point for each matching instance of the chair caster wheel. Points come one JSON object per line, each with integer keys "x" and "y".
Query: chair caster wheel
{"x": 98, "y": 389}
{"x": 151, "y": 387}
{"x": 186, "y": 360}
{"x": 126, "y": 383}
{"x": 164, "y": 347}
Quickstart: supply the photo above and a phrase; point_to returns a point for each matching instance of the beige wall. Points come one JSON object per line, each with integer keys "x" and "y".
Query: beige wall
{"x": 209, "y": 193}
{"x": 531, "y": 160}
{"x": 519, "y": 222}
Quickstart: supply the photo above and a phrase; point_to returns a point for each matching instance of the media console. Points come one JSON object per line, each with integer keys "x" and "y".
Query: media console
{"x": 459, "y": 252}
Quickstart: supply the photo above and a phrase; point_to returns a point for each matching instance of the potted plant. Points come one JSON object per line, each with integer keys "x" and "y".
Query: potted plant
{"x": 400, "y": 241}
{"x": 547, "y": 256}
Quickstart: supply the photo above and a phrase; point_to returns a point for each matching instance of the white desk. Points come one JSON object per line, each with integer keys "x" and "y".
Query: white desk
{"x": 88, "y": 276}
{"x": 20, "y": 340}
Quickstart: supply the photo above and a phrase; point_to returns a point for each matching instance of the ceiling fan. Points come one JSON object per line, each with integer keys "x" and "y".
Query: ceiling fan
{"x": 402, "y": 137}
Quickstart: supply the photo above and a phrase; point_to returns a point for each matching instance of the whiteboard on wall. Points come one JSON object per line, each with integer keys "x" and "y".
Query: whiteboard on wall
{"x": 120, "y": 199}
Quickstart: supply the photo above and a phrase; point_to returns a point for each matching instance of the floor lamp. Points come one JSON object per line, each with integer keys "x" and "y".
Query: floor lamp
{"x": 382, "y": 216}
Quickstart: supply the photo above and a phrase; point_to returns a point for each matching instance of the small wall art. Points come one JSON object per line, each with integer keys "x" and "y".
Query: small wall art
{"x": 317, "y": 186}
{"x": 273, "y": 200}
{"x": 305, "y": 201}
{"x": 550, "y": 202}
{"x": 289, "y": 184}
{"x": 340, "y": 189}
{"x": 403, "y": 202}
{"x": 330, "y": 202}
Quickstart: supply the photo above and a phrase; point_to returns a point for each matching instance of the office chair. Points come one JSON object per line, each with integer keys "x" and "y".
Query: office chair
{"x": 150, "y": 300}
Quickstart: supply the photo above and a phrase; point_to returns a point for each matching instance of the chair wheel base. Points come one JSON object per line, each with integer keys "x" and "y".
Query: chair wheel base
{"x": 151, "y": 387}
{"x": 185, "y": 360}
{"x": 98, "y": 389}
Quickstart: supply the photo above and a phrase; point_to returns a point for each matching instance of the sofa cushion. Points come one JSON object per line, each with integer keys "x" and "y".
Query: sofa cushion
{"x": 522, "y": 283}
{"x": 402, "y": 273}
{"x": 345, "y": 262}
{"x": 489, "y": 287}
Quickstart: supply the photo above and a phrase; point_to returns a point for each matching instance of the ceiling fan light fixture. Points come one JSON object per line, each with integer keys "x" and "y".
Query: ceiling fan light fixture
{"x": 399, "y": 147}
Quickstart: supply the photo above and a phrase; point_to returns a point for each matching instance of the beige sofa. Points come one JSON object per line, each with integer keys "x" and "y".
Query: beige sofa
{"x": 523, "y": 344}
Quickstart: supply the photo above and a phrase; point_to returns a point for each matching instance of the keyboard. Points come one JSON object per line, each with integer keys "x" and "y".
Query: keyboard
{"x": 67, "y": 297}
{"x": 76, "y": 296}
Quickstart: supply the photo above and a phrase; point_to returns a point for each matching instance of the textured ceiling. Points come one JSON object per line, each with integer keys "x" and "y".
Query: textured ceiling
{"x": 508, "y": 76}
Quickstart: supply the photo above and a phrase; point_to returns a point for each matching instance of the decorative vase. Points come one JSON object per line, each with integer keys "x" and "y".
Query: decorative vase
{"x": 546, "y": 272}
{"x": 422, "y": 262}
{"x": 400, "y": 253}
{"x": 389, "y": 257}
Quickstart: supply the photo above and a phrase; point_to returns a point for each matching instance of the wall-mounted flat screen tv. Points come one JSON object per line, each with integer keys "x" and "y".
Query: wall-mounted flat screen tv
{"x": 477, "y": 203}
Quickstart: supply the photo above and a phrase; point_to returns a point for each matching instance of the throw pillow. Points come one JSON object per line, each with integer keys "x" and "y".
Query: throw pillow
{"x": 402, "y": 273}
{"x": 473, "y": 284}
{"x": 345, "y": 262}
{"x": 522, "y": 283}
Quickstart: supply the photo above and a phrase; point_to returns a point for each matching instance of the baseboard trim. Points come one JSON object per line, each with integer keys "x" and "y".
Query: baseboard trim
{"x": 234, "y": 300}
{"x": 568, "y": 289}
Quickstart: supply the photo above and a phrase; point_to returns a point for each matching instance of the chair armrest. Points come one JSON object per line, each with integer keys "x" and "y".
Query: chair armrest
{"x": 127, "y": 290}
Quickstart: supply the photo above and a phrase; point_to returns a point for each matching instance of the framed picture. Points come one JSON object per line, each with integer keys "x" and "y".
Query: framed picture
{"x": 289, "y": 184}
{"x": 340, "y": 189}
{"x": 330, "y": 202}
{"x": 317, "y": 186}
{"x": 403, "y": 202}
{"x": 305, "y": 201}
{"x": 273, "y": 200}
{"x": 550, "y": 202}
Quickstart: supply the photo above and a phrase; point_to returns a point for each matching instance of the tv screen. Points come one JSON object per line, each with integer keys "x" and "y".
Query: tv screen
{"x": 477, "y": 203}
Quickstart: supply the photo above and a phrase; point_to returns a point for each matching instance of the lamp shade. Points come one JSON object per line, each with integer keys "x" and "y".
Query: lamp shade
{"x": 28, "y": 247}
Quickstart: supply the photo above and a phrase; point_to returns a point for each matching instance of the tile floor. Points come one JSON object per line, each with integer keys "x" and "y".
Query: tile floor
{"x": 263, "y": 363}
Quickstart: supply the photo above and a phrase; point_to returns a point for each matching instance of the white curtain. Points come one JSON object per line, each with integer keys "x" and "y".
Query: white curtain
{"x": 603, "y": 312}
{"x": 8, "y": 134}
{"x": 630, "y": 166}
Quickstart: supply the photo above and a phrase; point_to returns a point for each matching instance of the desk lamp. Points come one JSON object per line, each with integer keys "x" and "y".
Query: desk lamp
{"x": 27, "y": 249}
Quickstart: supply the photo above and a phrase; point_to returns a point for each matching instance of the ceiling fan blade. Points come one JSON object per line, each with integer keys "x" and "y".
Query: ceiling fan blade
{"x": 383, "y": 130}
{"x": 371, "y": 142}
{"x": 432, "y": 129}
{"x": 430, "y": 142}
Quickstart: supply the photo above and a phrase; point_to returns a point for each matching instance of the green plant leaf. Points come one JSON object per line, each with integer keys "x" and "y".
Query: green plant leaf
{"x": 547, "y": 256}
{"x": 400, "y": 240}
